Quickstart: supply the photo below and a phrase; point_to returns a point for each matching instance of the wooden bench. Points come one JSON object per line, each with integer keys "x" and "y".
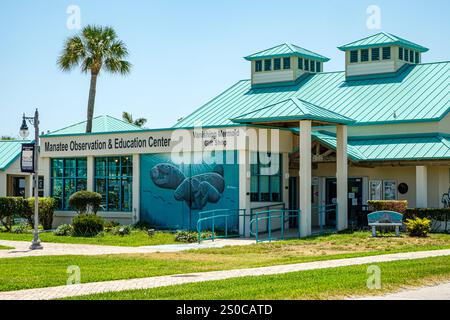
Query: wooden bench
{"x": 385, "y": 219}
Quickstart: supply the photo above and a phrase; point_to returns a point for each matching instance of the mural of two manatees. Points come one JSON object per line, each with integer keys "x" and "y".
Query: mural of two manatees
{"x": 195, "y": 191}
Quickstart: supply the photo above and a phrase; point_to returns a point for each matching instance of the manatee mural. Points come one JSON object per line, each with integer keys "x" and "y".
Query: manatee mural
{"x": 172, "y": 194}
{"x": 196, "y": 191}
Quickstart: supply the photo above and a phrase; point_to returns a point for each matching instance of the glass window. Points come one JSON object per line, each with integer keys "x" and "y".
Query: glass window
{"x": 386, "y": 53}
{"x": 286, "y": 63}
{"x": 406, "y": 55}
{"x": 313, "y": 66}
{"x": 300, "y": 63}
{"x": 375, "y": 54}
{"x": 265, "y": 179}
{"x": 267, "y": 65}
{"x": 364, "y": 55}
{"x": 258, "y": 66}
{"x": 67, "y": 177}
{"x": 276, "y": 64}
{"x": 400, "y": 53}
{"x": 353, "y": 56}
{"x": 318, "y": 67}
{"x": 417, "y": 57}
{"x": 411, "y": 56}
{"x": 114, "y": 181}
{"x": 306, "y": 64}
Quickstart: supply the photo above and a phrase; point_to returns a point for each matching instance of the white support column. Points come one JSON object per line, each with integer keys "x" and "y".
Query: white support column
{"x": 90, "y": 172}
{"x": 421, "y": 187}
{"x": 342, "y": 177}
{"x": 305, "y": 178}
{"x": 136, "y": 188}
{"x": 244, "y": 191}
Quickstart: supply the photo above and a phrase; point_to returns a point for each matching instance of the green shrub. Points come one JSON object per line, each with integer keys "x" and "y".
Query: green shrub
{"x": 186, "y": 236}
{"x": 10, "y": 207}
{"x": 85, "y": 202}
{"x": 23, "y": 227}
{"x": 110, "y": 225}
{"x": 142, "y": 225}
{"x": 64, "y": 230}
{"x": 439, "y": 214}
{"x": 87, "y": 225}
{"x": 399, "y": 206}
{"x": 418, "y": 227}
{"x": 47, "y": 208}
{"x": 121, "y": 230}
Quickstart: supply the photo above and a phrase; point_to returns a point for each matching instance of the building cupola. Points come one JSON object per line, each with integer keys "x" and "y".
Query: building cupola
{"x": 284, "y": 64}
{"x": 379, "y": 55}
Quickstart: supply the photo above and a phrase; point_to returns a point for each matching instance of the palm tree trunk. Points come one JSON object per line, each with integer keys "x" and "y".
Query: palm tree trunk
{"x": 91, "y": 102}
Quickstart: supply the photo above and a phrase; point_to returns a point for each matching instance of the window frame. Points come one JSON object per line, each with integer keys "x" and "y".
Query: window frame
{"x": 401, "y": 53}
{"x": 306, "y": 64}
{"x": 300, "y": 63}
{"x": 386, "y": 50}
{"x": 312, "y": 66}
{"x": 288, "y": 64}
{"x": 365, "y": 55}
{"x": 352, "y": 54}
{"x": 374, "y": 57}
{"x": 267, "y": 64}
{"x": 121, "y": 178}
{"x": 259, "y": 176}
{"x": 276, "y": 64}
{"x": 75, "y": 178}
{"x": 258, "y": 66}
{"x": 318, "y": 66}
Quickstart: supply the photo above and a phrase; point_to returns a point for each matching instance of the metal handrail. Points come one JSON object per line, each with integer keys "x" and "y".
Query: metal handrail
{"x": 269, "y": 216}
{"x": 214, "y": 214}
{"x": 324, "y": 209}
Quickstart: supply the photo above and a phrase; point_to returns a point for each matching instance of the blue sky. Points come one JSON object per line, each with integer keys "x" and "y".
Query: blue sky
{"x": 184, "y": 52}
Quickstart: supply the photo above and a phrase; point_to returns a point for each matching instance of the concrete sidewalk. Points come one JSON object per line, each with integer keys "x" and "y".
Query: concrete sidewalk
{"x": 438, "y": 292}
{"x": 21, "y": 248}
{"x": 162, "y": 281}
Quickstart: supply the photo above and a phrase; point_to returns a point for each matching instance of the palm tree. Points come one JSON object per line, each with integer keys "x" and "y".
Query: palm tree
{"x": 94, "y": 49}
{"x": 128, "y": 117}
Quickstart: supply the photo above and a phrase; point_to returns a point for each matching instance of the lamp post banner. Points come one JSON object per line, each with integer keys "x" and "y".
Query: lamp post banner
{"x": 27, "y": 158}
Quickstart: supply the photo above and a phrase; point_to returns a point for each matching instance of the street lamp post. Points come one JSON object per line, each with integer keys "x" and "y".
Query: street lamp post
{"x": 34, "y": 121}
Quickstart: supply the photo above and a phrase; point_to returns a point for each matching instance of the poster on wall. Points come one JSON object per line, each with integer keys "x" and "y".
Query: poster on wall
{"x": 375, "y": 190}
{"x": 173, "y": 195}
{"x": 390, "y": 189}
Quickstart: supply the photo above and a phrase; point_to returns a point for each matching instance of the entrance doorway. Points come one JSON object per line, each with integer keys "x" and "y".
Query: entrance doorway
{"x": 16, "y": 186}
{"x": 355, "y": 200}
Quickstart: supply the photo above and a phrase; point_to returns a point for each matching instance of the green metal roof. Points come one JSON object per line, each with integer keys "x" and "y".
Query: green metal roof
{"x": 100, "y": 124}
{"x": 382, "y": 39}
{"x": 284, "y": 50}
{"x": 292, "y": 109}
{"x": 9, "y": 151}
{"x": 394, "y": 148}
{"x": 417, "y": 93}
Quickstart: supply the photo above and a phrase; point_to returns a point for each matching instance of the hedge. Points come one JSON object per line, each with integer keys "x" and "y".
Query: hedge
{"x": 12, "y": 207}
{"x": 437, "y": 214}
{"x": 399, "y": 206}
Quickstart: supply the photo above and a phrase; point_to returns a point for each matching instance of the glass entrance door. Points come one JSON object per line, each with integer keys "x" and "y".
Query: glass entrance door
{"x": 355, "y": 200}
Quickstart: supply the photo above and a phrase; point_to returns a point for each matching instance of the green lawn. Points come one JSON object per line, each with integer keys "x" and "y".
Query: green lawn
{"x": 33, "y": 272}
{"x": 135, "y": 239}
{"x": 334, "y": 283}
{"x": 5, "y": 248}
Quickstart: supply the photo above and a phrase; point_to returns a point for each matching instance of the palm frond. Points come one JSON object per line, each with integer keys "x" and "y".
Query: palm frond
{"x": 140, "y": 122}
{"x": 127, "y": 117}
{"x": 117, "y": 66}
